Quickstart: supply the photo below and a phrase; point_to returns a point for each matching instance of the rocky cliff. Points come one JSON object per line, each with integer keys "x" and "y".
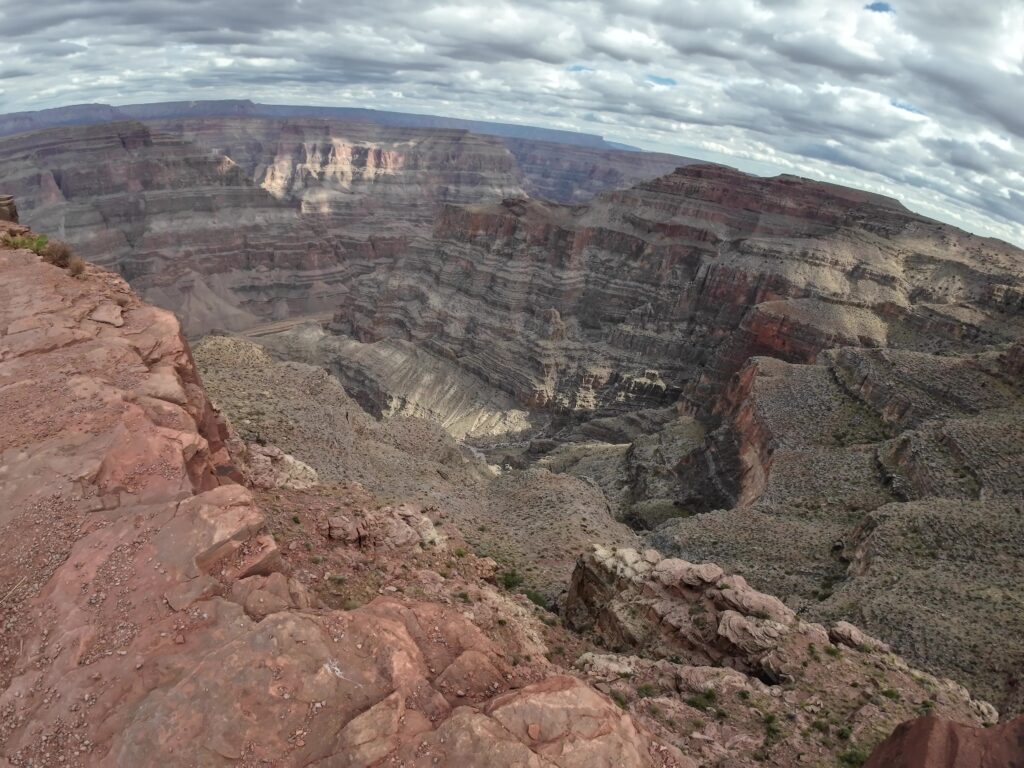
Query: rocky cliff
{"x": 151, "y": 615}
{"x": 180, "y": 592}
{"x": 754, "y": 683}
{"x": 236, "y": 219}
{"x": 899, "y": 474}
{"x": 670, "y": 286}
{"x": 231, "y": 222}
{"x": 931, "y": 742}
{"x": 834, "y": 362}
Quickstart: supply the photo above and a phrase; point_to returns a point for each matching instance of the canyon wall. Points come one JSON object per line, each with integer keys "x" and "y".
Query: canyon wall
{"x": 801, "y": 362}
{"x": 235, "y": 220}
{"x": 153, "y": 610}
{"x": 229, "y": 223}
{"x": 175, "y": 595}
{"x": 667, "y": 288}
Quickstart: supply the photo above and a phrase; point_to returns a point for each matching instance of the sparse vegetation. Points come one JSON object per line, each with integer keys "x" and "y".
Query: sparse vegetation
{"x": 34, "y": 243}
{"x": 704, "y": 700}
{"x": 54, "y": 252}
{"x": 511, "y": 579}
{"x": 57, "y": 253}
{"x": 771, "y": 727}
{"x": 536, "y": 598}
{"x": 854, "y": 758}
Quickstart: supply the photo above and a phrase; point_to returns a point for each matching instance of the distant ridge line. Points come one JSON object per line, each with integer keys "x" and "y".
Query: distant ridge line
{"x": 93, "y": 114}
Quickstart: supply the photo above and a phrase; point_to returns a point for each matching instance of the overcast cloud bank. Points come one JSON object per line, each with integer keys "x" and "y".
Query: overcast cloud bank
{"x": 921, "y": 99}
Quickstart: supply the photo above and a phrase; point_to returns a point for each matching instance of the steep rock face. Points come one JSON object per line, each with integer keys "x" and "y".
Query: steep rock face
{"x": 149, "y": 617}
{"x": 763, "y": 685}
{"x": 931, "y": 742}
{"x": 231, "y": 220}
{"x": 672, "y": 285}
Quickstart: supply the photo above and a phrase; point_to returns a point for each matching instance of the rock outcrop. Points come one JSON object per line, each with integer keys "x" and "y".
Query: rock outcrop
{"x": 764, "y": 685}
{"x": 899, "y": 472}
{"x": 149, "y": 616}
{"x": 931, "y": 742}
{"x": 8, "y": 210}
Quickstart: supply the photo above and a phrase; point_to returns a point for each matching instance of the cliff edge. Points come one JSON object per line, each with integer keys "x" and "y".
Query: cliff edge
{"x": 147, "y": 617}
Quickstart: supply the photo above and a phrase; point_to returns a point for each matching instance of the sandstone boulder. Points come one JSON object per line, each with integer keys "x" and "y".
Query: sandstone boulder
{"x": 932, "y": 742}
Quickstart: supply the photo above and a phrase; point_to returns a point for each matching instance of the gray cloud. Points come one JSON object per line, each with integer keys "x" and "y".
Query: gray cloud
{"x": 922, "y": 102}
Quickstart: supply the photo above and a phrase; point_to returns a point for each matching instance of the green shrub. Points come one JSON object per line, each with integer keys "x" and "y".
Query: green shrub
{"x": 536, "y": 598}
{"x": 704, "y": 700}
{"x": 619, "y": 698}
{"x": 511, "y": 579}
{"x": 854, "y": 758}
{"x": 34, "y": 243}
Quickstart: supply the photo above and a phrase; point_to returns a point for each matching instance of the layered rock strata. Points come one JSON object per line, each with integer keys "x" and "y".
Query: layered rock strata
{"x": 669, "y": 287}
{"x": 234, "y": 220}
{"x": 229, "y": 223}
{"x": 154, "y": 609}
{"x": 149, "y": 616}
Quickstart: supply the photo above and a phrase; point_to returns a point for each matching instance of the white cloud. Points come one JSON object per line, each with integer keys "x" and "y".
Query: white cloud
{"x": 922, "y": 101}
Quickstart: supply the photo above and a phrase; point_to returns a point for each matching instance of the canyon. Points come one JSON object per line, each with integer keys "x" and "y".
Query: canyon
{"x": 507, "y": 432}
{"x": 233, "y": 221}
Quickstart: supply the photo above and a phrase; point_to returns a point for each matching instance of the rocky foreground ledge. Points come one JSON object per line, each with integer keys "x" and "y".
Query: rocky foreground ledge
{"x": 153, "y": 612}
{"x": 147, "y": 617}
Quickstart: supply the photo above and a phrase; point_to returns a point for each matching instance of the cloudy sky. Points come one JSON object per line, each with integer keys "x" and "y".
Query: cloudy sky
{"x": 920, "y": 99}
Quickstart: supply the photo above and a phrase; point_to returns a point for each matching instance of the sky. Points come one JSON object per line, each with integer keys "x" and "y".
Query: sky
{"x": 922, "y": 100}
